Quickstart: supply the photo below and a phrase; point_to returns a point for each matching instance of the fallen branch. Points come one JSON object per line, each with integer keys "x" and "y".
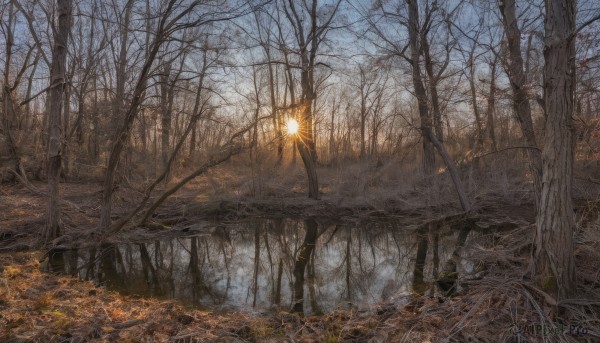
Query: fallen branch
{"x": 215, "y": 161}
{"x": 229, "y": 149}
{"x": 226, "y": 154}
{"x": 505, "y": 149}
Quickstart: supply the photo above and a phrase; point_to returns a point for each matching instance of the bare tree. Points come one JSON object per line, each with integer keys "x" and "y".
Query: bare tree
{"x": 518, "y": 83}
{"x": 174, "y": 18}
{"x": 554, "y": 260}
{"x": 10, "y": 121}
{"x": 308, "y": 39}
{"x": 491, "y": 104}
{"x": 434, "y": 77}
{"x": 429, "y": 139}
{"x": 370, "y": 87}
{"x": 471, "y": 74}
{"x": 264, "y": 25}
{"x": 55, "y": 113}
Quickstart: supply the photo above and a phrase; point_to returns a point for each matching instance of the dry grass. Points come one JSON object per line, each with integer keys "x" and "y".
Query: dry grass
{"x": 37, "y": 307}
{"x": 495, "y": 307}
{"x": 45, "y": 308}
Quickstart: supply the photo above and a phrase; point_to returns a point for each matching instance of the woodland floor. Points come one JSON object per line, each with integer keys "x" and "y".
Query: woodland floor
{"x": 351, "y": 193}
{"x": 38, "y": 307}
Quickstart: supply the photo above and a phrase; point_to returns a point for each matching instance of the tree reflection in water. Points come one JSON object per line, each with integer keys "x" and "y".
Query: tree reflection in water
{"x": 264, "y": 264}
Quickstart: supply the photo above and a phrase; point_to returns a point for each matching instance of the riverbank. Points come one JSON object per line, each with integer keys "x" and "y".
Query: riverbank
{"x": 500, "y": 306}
{"x": 22, "y": 211}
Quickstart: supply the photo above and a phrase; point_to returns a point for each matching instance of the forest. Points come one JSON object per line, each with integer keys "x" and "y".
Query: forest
{"x": 299, "y": 171}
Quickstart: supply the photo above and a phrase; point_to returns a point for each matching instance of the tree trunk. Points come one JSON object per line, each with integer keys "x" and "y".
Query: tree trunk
{"x": 123, "y": 135}
{"x": 93, "y": 145}
{"x": 305, "y": 141}
{"x": 311, "y": 169}
{"x": 307, "y": 49}
{"x": 312, "y": 292}
{"x": 166, "y": 106}
{"x": 433, "y": 82}
{"x": 276, "y": 117}
{"x": 554, "y": 261}
{"x": 8, "y": 110}
{"x": 334, "y": 109}
{"x": 478, "y": 120}
{"x": 348, "y": 259}
{"x": 66, "y": 161}
{"x": 429, "y": 138}
{"x": 460, "y": 190}
{"x": 277, "y": 297}
{"x": 420, "y": 93}
{"x": 306, "y": 145}
{"x": 418, "y": 278}
{"x": 364, "y": 93}
{"x": 56, "y": 101}
{"x": 491, "y": 106}
{"x": 518, "y": 82}
{"x": 192, "y": 150}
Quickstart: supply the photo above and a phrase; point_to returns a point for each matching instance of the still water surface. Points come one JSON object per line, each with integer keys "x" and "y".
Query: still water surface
{"x": 260, "y": 264}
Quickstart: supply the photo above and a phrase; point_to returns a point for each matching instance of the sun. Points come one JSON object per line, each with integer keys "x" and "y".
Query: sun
{"x": 292, "y": 126}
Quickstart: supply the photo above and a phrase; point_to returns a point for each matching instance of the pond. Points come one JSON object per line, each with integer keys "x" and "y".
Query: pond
{"x": 267, "y": 264}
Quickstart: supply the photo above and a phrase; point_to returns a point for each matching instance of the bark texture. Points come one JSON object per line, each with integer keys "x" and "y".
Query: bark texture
{"x": 554, "y": 260}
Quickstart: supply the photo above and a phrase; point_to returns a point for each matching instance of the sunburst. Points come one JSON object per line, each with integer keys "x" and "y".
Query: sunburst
{"x": 292, "y": 127}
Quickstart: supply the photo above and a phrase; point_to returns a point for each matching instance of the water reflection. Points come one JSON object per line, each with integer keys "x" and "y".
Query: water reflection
{"x": 263, "y": 264}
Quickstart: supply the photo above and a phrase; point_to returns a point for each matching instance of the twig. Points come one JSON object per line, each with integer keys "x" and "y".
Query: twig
{"x": 547, "y": 297}
{"x": 188, "y": 335}
{"x": 589, "y": 22}
{"x": 127, "y": 324}
{"x": 466, "y": 316}
{"x": 24, "y": 102}
{"x": 509, "y": 148}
